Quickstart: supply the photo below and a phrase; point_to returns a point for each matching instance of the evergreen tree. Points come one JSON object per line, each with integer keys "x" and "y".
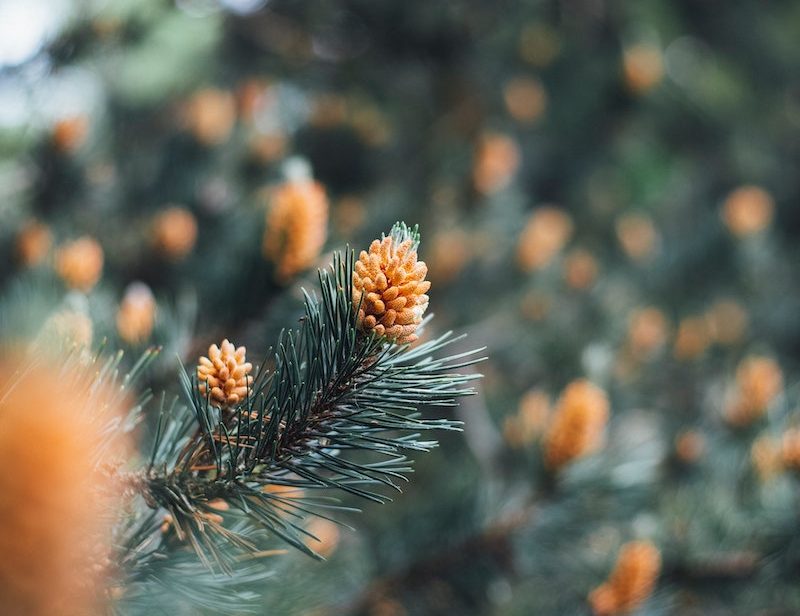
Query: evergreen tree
{"x": 605, "y": 190}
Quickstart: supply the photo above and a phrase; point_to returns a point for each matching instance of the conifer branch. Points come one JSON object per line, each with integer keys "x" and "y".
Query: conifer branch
{"x": 330, "y": 390}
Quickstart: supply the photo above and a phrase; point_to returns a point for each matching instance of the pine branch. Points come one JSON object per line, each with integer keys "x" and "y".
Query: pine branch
{"x": 334, "y": 408}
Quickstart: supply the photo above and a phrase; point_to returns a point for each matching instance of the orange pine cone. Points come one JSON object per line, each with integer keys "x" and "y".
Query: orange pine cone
{"x": 80, "y": 263}
{"x": 578, "y": 423}
{"x": 210, "y": 115}
{"x": 325, "y": 536}
{"x": 136, "y": 314}
{"x": 648, "y": 329}
{"x": 69, "y": 133}
{"x": 297, "y": 226}
{"x": 174, "y": 232}
{"x": 389, "y": 286}
{"x": 33, "y": 243}
{"x": 547, "y": 231}
{"x": 642, "y": 67}
{"x": 226, "y": 373}
{"x": 759, "y": 381}
{"x": 748, "y": 210}
{"x": 638, "y": 236}
{"x": 497, "y": 159}
{"x": 632, "y": 581}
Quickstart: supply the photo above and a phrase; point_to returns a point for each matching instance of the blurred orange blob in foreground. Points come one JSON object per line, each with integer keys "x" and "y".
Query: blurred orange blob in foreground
{"x": 57, "y": 505}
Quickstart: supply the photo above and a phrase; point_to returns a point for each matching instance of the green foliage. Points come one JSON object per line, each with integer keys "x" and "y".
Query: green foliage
{"x": 334, "y": 409}
{"x": 390, "y": 104}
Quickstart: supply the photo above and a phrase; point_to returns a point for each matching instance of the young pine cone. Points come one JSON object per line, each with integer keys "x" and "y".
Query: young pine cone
{"x": 137, "y": 313}
{"x": 759, "y": 381}
{"x": 632, "y": 581}
{"x": 297, "y": 226}
{"x": 80, "y": 263}
{"x": 226, "y": 372}
{"x": 389, "y": 286}
{"x": 174, "y": 232}
{"x": 577, "y": 426}
{"x": 33, "y": 243}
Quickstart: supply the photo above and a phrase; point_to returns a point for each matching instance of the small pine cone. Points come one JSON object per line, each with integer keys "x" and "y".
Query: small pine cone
{"x": 529, "y": 421}
{"x": 174, "y": 232}
{"x": 547, "y": 231}
{"x": 692, "y": 338}
{"x": 580, "y": 269}
{"x": 690, "y": 445}
{"x": 632, "y": 581}
{"x": 389, "y": 286}
{"x": 325, "y": 536}
{"x": 748, "y": 210}
{"x": 642, "y": 67}
{"x": 638, "y": 237}
{"x": 227, "y": 374}
{"x": 136, "y": 314}
{"x": 496, "y": 160}
{"x": 648, "y": 330}
{"x": 70, "y": 133}
{"x": 759, "y": 381}
{"x": 210, "y": 115}
{"x": 525, "y": 99}
{"x": 577, "y": 426}
{"x": 80, "y": 263}
{"x": 297, "y": 226}
{"x": 33, "y": 243}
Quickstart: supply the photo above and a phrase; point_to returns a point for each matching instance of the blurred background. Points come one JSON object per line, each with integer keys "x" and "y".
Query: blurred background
{"x": 606, "y": 190}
